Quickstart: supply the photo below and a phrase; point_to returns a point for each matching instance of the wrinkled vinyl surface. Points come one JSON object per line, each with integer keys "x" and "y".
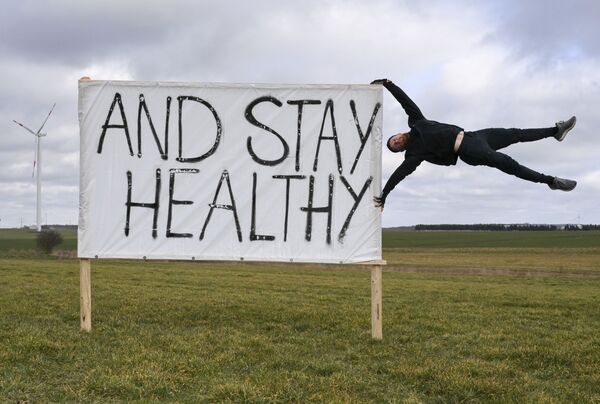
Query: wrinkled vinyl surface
{"x": 230, "y": 171}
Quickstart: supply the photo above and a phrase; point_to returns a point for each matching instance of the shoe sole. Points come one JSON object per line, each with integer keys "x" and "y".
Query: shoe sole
{"x": 564, "y": 134}
{"x": 565, "y": 189}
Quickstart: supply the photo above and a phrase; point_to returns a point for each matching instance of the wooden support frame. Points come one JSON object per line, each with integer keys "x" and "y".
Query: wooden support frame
{"x": 85, "y": 291}
{"x": 376, "y": 298}
{"x": 85, "y": 284}
{"x": 376, "y": 303}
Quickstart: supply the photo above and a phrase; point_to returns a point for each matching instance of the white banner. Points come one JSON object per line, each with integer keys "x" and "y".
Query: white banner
{"x": 230, "y": 171}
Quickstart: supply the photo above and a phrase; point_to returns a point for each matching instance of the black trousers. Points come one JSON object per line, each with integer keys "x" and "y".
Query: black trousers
{"x": 481, "y": 148}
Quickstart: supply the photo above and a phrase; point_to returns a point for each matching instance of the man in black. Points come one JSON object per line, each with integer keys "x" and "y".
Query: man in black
{"x": 442, "y": 144}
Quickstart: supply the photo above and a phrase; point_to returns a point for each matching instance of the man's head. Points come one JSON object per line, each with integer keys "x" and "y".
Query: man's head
{"x": 398, "y": 142}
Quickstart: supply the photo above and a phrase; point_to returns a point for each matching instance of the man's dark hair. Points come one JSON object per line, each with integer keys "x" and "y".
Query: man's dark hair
{"x": 388, "y": 144}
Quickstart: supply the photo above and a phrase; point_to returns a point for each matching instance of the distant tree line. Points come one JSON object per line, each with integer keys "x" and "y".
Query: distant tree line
{"x": 508, "y": 227}
{"x": 59, "y": 226}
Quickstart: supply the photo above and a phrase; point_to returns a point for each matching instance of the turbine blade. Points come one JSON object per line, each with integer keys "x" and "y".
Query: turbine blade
{"x": 25, "y": 127}
{"x": 46, "y": 120}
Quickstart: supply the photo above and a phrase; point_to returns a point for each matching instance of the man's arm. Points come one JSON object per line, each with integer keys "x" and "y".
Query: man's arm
{"x": 409, "y": 165}
{"x": 411, "y": 109}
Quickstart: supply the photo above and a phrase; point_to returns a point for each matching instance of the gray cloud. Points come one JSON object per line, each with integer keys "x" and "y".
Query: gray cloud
{"x": 477, "y": 64}
{"x": 73, "y": 32}
{"x": 551, "y": 30}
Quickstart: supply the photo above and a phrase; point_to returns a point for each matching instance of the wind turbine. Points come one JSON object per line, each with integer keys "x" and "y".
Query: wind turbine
{"x": 37, "y": 164}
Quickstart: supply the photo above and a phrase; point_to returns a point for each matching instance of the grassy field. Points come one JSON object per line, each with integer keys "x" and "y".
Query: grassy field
{"x": 522, "y": 251}
{"x": 25, "y": 239}
{"x": 490, "y": 239}
{"x": 245, "y": 332}
{"x": 538, "y": 252}
{"x": 19, "y": 241}
{"x": 233, "y": 332}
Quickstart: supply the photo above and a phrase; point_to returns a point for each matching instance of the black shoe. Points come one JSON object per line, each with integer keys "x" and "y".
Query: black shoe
{"x": 564, "y": 127}
{"x": 562, "y": 184}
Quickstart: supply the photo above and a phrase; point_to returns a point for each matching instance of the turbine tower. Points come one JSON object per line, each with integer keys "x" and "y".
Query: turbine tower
{"x": 37, "y": 165}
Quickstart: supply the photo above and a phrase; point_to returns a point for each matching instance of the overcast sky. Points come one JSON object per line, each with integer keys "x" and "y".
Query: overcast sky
{"x": 476, "y": 64}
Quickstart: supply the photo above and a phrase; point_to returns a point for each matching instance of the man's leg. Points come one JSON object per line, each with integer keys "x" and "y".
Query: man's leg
{"x": 475, "y": 151}
{"x": 499, "y": 138}
{"x": 508, "y": 165}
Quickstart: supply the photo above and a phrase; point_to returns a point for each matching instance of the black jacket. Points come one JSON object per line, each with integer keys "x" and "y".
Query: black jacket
{"x": 429, "y": 140}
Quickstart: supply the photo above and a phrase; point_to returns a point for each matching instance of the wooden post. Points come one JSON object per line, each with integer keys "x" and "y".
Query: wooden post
{"x": 85, "y": 284}
{"x": 376, "y": 300}
{"x": 85, "y": 291}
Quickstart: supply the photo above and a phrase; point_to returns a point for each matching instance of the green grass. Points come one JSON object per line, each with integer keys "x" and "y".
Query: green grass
{"x": 491, "y": 239}
{"x": 247, "y": 332}
{"x": 233, "y": 332}
{"x": 570, "y": 252}
{"x": 514, "y": 260}
{"x": 20, "y": 240}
